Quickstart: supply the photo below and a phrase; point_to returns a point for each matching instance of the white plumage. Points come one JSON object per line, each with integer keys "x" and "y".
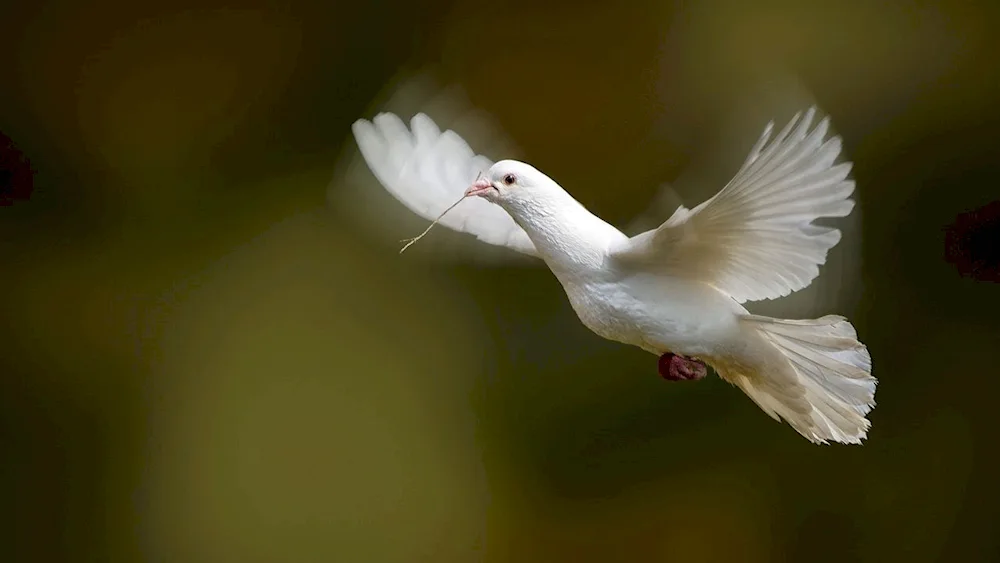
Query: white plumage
{"x": 427, "y": 170}
{"x": 677, "y": 288}
{"x": 755, "y": 239}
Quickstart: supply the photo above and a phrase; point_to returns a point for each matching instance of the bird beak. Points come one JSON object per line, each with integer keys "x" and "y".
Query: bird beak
{"x": 479, "y": 187}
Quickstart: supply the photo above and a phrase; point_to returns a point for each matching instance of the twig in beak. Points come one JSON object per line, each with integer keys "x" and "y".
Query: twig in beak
{"x": 410, "y": 241}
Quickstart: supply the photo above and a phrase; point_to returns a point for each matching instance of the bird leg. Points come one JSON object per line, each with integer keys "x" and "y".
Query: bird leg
{"x": 674, "y": 367}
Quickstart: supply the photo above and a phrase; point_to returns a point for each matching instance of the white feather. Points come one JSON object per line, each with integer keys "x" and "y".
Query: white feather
{"x": 823, "y": 387}
{"x": 756, "y": 239}
{"x": 427, "y": 170}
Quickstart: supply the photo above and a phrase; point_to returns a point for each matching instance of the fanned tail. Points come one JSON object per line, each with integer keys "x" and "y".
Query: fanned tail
{"x": 821, "y": 384}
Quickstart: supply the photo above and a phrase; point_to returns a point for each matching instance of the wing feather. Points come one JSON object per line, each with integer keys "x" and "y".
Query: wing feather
{"x": 427, "y": 170}
{"x": 755, "y": 239}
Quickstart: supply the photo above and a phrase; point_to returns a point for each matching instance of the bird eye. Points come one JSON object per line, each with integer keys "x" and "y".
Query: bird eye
{"x": 509, "y": 179}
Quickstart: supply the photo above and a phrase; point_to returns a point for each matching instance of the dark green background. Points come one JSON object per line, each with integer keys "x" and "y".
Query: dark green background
{"x": 203, "y": 359}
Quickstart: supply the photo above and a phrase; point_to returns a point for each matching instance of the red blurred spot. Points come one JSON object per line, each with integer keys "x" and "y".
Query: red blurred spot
{"x": 16, "y": 175}
{"x": 972, "y": 243}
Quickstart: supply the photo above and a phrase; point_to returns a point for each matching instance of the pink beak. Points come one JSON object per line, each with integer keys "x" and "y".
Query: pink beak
{"x": 479, "y": 187}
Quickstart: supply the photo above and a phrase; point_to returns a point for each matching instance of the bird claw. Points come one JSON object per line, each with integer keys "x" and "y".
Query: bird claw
{"x": 674, "y": 367}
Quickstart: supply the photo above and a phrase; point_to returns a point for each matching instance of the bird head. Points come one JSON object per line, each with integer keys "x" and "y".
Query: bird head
{"x": 563, "y": 231}
{"x": 509, "y": 183}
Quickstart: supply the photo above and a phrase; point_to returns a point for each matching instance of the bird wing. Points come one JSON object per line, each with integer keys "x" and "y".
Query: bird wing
{"x": 755, "y": 239}
{"x": 428, "y": 170}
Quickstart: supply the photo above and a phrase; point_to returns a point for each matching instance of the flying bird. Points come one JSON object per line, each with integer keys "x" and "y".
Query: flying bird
{"x": 676, "y": 291}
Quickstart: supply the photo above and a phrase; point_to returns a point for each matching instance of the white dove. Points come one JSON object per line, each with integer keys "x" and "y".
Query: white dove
{"x": 675, "y": 291}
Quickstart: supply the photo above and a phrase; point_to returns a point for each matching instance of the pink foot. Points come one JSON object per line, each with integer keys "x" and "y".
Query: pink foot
{"x": 681, "y": 368}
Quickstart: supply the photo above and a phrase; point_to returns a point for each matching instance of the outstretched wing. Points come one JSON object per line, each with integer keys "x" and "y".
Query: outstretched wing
{"x": 755, "y": 239}
{"x": 428, "y": 170}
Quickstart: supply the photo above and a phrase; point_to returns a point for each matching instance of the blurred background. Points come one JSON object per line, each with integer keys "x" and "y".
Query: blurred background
{"x": 211, "y": 350}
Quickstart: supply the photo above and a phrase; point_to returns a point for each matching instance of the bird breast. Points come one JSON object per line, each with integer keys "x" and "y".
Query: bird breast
{"x": 656, "y": 314}
{"x": 609, "y": 310}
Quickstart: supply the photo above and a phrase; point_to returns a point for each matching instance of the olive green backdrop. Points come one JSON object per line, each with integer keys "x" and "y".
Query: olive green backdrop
{"x": 207, "y": 355}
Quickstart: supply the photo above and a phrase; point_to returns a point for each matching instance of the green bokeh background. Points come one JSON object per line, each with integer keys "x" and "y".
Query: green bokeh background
{"x": 204, "y": 359}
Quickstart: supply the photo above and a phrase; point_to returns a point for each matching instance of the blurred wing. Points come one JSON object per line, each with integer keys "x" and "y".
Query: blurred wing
{"x": 428, "y": 170}
{"x": 755, "y": 238}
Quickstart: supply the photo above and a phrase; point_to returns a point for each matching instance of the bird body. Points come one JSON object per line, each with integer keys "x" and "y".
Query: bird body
{"x": 613, "y": 299}
{"x": 678, "y": 288}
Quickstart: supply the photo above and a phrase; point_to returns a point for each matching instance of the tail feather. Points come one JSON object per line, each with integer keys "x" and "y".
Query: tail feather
{"x": 820, "y": 383}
